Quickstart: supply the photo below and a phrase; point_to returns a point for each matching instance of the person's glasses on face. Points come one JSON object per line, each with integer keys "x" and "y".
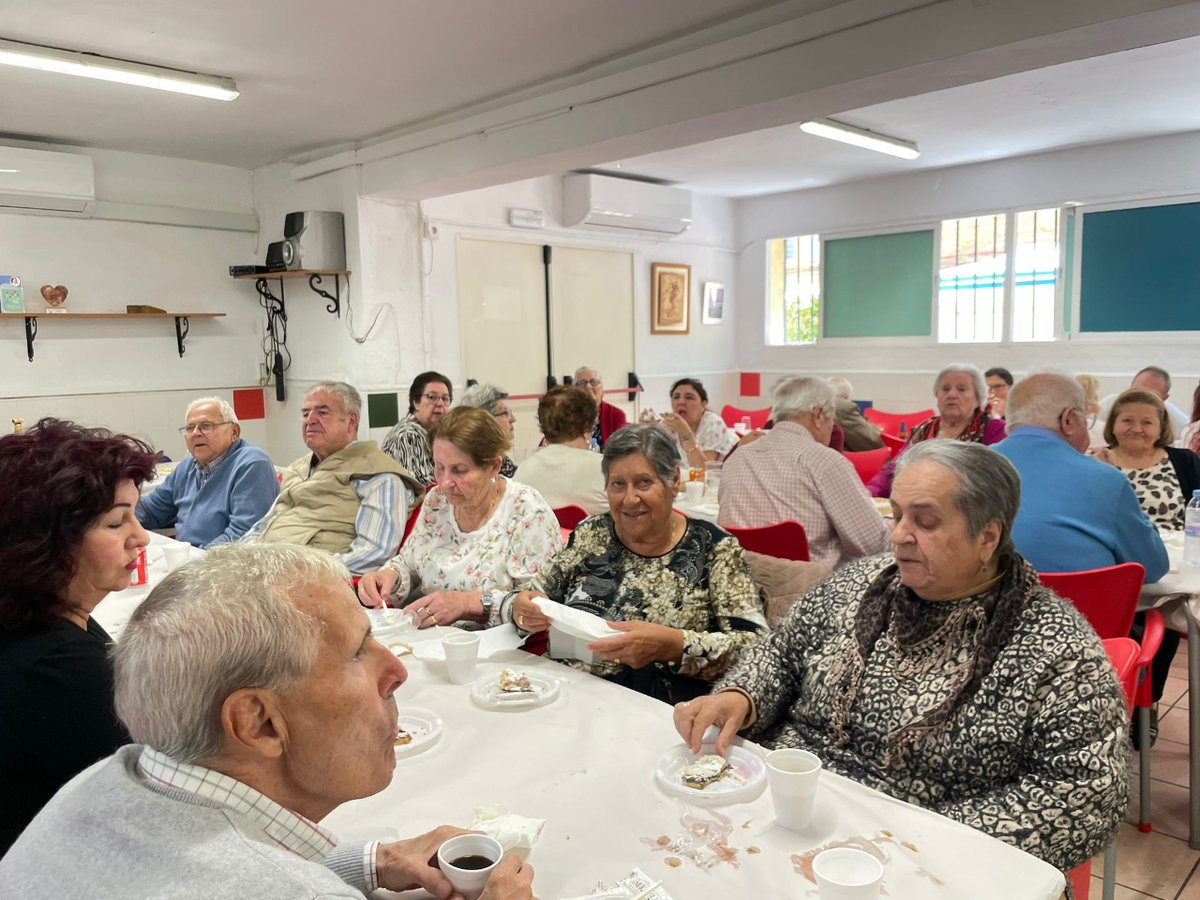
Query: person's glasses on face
{"x": 435, "y": 399}
{"x": 589, "y": 382}
{"x": 202, "y": 427}
{"x": 504, "y": 414}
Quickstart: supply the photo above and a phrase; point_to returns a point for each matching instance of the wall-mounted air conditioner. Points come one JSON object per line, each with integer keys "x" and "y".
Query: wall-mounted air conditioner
{"x": 42, "y": 181}
{"x": 602, "y": 202}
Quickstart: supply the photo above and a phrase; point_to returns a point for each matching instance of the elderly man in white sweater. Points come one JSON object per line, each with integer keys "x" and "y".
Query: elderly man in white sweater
{"x": 260, "y": 702}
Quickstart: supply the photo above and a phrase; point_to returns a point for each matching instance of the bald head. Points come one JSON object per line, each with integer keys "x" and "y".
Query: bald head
{"x": 1053, "y": 401}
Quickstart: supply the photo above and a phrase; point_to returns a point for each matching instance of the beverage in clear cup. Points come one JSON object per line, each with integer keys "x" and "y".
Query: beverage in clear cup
{"x": 793, "y": 776}
{"x": 467, "y": 860}
{"x": 694, "y": 491}
{"x": 712, "y": 476}
{"x": 462, "y": 652}
{"x": 845, "y": 873}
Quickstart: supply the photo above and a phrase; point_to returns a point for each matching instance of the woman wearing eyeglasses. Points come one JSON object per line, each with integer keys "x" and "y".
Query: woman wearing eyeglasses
{"x": 610, "y": 418}
{"x": 222, "y": 488}
{"x": 429, "y": 399}
{"x": 491, "y": 399}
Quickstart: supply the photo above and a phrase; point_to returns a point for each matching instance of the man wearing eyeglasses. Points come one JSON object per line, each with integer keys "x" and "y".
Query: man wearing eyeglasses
{"x": 222, "y": 488}
{"x": 610, "y": 418}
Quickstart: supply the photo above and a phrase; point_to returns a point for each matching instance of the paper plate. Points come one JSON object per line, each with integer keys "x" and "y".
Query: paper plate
{"x": 425, "y": 727}
{"x": 746, "y": 782}
{"x": 486, "y": 692}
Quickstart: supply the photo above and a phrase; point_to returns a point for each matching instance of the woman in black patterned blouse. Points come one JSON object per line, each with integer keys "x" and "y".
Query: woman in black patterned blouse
{"x": 945, "y": 675}
{"x": 408, "y": 443}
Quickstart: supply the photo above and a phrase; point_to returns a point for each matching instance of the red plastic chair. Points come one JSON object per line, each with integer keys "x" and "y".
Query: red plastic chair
{"x": 893, "y": 443}
{"x": 890, "y": 422}
{"x": 570, "y": 516}
{"x": 783, "y": 540}
{"x": 867, "y": 463}
{"x": 731, "y": 415}
{"x": 1108, "y": 599}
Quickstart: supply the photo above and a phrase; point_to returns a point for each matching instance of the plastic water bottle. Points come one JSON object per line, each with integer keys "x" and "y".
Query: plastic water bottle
{"x": 903, "y": 433}
{"x": 1191, "y": 531}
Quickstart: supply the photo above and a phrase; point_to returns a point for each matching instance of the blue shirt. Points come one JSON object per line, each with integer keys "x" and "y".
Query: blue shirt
{"x": 1076, "y": 512}
{"x": 237, "y": 493}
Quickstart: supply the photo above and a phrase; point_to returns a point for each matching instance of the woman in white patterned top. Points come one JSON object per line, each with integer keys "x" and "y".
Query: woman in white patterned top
{"x": 479, "y": 538}
{"x": 700, "y": 434}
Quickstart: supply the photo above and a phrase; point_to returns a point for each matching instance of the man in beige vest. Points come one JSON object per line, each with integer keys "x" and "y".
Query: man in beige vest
{"x": 347, "y": 497}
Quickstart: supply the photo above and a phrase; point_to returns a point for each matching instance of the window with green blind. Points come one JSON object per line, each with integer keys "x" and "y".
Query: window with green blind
{"x": 879, "y": 286}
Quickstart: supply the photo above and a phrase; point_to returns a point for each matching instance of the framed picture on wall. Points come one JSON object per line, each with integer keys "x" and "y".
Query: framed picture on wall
{"x": 714, "y": 303}
{"x": 670, "y": 298}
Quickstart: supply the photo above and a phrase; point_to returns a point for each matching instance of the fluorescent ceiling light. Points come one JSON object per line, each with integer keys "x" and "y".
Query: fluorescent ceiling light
{"x": 860, "y": 137}
{"x": 89, "y": 65}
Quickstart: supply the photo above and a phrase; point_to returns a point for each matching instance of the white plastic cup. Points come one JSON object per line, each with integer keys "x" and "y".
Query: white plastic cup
{"x": 176, "y": 554}
{"x": 793, "y": 776}
{"x": 694, "y": 490}
{"x": 469, "y": 882}
{"x": 844, "y": 873}
{"x": 462, "y": 652}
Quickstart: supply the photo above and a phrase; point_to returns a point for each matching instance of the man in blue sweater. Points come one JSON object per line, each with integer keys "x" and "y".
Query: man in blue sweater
{"x": 1076, "y": 513}
{"x": 222, "y": 488}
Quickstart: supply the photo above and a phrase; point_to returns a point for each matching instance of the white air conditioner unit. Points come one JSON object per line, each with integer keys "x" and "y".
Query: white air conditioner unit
{"x": 611, "y": 204}
{"x": 42, "y": 181}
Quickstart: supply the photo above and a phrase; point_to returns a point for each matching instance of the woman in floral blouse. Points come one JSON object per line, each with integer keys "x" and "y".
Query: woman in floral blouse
{"x": 677, "y": 588}
{"x": 479, "y": 538}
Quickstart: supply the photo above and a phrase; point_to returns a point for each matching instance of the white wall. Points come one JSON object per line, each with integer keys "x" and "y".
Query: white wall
{"x": 897, "y": 374}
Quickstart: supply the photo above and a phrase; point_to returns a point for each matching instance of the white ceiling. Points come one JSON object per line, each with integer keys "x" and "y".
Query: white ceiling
{"x": 316, "y": 75}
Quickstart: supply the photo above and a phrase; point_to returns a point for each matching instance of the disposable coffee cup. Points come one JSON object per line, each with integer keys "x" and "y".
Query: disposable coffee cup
{"x": 694, "y": 491}
{"x": 467, "y": 860}
{"x": 844, "y": 873}
{"x": 462, "y": 652}
{"x": 793, "y": 776}
{"x": 176, "y": 554}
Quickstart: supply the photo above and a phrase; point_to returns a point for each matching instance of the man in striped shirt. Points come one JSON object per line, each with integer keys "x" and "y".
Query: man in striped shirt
{"x": 260, "y": 703}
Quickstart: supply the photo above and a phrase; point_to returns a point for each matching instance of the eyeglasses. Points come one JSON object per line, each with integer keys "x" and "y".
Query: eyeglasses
{"x": 589, "y": 382}
{"x": 202, "y": 427}
{"x": 507, "y": 414}
{"x": 437, "y": 398}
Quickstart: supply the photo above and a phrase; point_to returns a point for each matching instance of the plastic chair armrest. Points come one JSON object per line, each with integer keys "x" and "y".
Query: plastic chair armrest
{"x": 1152, "y": 636}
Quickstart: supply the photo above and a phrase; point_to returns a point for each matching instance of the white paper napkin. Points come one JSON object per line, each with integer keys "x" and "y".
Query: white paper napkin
{"x": 575, "y": 622}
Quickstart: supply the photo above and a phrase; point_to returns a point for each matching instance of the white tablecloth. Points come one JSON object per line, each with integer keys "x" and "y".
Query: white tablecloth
{"x": 706, "y": 509}
{"x": 585, "y": 762}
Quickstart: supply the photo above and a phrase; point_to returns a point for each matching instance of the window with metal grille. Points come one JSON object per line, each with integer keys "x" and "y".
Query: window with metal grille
{"x": 794, "y": 290}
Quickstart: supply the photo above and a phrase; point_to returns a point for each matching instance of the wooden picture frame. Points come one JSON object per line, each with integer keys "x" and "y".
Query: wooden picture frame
{"x": 713, "y": 309}
{"x": 670, "y": 298}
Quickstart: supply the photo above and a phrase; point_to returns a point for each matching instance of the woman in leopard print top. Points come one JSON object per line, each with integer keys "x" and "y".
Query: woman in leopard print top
{"x": 946, "y": 675}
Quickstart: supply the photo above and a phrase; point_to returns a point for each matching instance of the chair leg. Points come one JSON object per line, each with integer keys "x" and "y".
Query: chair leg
{"x": 1110, "y": 871}
{"x": 1143, "y": 714}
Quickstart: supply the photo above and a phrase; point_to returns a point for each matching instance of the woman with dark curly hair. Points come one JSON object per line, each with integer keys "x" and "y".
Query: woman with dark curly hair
{"x": 67, "y": 500}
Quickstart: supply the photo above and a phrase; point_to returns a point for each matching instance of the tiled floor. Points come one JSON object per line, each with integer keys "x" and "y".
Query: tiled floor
{"x": 1160, "y": 864}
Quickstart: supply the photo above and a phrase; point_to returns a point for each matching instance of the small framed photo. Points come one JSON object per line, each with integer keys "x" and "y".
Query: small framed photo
{"x": 714, "y": 303}
{"x": 670, "y": 298}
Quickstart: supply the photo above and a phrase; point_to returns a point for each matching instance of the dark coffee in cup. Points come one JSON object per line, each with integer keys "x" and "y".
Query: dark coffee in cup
{"x": 475, "y": 861}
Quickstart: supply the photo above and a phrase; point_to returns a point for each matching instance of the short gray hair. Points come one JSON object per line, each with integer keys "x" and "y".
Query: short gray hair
{"x": 797, "y": 395}
{"x": 586, "y": 369}
{"x": 483, "y": 396}
{"x": 842, "y": 387}
{"x": 652, "y": 441}
{"x": 212, "y": 627}
{"x": 1039, "y": 399}
{"x": 964, "y": 369}
{"x": 226, "y": 410}
{"x": 351, "y": 398}
{"x": 989, "y": 489}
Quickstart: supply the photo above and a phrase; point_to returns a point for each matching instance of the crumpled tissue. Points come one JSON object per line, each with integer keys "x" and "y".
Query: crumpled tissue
{"x": 512, "y": 831}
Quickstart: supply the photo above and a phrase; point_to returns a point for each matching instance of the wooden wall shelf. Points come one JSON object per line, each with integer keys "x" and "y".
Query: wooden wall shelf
{"x": 181, "y": 322}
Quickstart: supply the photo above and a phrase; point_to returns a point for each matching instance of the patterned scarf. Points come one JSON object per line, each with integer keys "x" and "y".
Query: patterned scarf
{"x": 921, "y": 630}
{"x": 931, "y": 426}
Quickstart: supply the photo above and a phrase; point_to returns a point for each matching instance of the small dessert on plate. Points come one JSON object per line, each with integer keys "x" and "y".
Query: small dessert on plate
{"x": 704, "y": 770}
{"x": 515, "y": 682}
{"x": 403, "y": 737}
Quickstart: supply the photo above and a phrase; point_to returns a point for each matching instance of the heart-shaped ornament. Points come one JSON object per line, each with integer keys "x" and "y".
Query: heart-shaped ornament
{"x": 54, "y": 295}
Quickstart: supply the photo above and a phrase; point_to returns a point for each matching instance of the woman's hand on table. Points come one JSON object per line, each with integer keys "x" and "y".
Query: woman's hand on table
{"x": 527, "y": 615}
{"x": 406, "y": 865}
{"x": 725, "y": 709}
{"x": 641, "y": 644}
{"x": 446, "y": 607}
{"x": 375, "y": 587}
{"x": 512, "y": 879}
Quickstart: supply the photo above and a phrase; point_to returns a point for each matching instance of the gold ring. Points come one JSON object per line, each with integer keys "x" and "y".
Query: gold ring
{"x": 617, "y": 660}
{"x": 520, "y": 623}
{"x": 428, "y": 611}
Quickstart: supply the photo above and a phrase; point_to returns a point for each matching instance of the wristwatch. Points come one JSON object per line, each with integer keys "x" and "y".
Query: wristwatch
{"x": 487, "y": 607}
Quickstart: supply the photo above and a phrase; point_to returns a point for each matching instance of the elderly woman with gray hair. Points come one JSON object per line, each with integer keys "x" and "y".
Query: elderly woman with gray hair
{"x": 962, "y": 416}
{"x": 945, "y": 674}
{"x": 677, "y": 589}
{"x": 491, "y": 399}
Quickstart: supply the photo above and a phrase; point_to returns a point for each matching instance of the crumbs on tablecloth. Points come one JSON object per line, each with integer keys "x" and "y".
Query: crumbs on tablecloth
{"x": 673, "y": 861}
{"x": 753, "y": 850}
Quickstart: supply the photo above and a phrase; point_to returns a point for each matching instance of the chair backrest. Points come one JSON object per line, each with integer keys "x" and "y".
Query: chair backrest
{"x": 1123, "y": 654}
{"x": 570, "y": 516}
{"x": 890, "y": 422}
{"x": 783, "y": 540}
{"x": 867, "y": 463}
{"x": 731, "y": 415}
{"x": 412, "y": 520}
{"x": 1106, "y": 597}
{"x": 892, "y": 443}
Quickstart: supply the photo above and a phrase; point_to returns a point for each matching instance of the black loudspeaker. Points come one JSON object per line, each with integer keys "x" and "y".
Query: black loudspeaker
{"x": 276, "y": 261}
{"x": 314, "y": 240}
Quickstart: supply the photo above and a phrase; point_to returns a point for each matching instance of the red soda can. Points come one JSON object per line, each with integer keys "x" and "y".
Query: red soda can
{"x": 138, "y": 575}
